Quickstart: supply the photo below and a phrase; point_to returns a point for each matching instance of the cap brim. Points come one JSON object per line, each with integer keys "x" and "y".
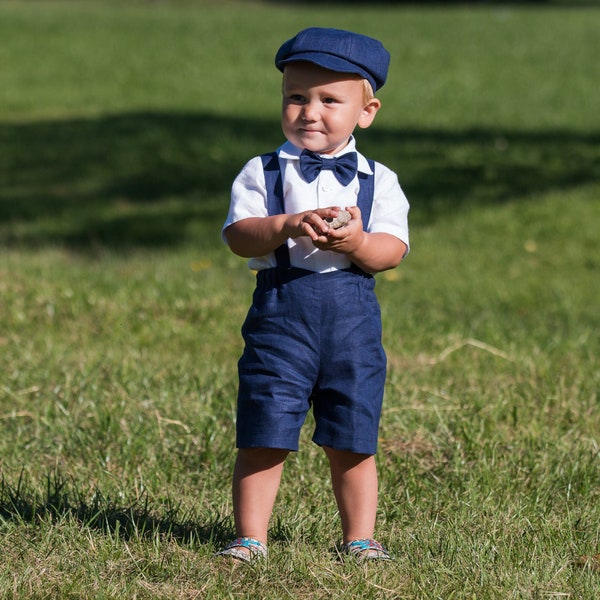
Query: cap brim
{"x": 328, "y": 61}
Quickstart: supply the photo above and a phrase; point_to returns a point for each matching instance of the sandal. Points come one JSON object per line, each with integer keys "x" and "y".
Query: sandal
{"x": 366, "y": 549}
{"x": 253, "y": 549}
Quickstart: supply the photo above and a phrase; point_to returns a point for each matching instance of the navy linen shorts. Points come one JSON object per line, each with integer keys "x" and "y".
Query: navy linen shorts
{"x": 312, "y": 339}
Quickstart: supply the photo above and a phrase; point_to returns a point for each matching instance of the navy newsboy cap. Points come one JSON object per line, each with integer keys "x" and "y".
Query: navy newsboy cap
{"x": 337, "y": 50}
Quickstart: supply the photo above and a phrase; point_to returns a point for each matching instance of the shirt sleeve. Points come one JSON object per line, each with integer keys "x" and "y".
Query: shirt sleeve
{"x": 390, "y": 206}
{"x": 248, "y": 194}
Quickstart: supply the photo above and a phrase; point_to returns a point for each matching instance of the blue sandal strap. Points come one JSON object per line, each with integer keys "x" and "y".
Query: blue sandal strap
{"x": 367, "y": 549}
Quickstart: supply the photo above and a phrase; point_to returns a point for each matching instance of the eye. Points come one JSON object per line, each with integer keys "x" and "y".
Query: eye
{"x": 296, "y": 98}
{"x": 329, "y": 101}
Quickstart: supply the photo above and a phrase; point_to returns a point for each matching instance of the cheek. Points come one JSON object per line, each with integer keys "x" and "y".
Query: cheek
{"x": 341, "y": 120}
{"x": 289, "y": 112}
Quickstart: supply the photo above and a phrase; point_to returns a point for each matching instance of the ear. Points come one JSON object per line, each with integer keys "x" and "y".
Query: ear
{"x": 368, "y": 113}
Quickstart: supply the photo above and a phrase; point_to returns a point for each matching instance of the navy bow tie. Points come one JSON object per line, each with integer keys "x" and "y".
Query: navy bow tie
{"x": 344, "y": 167}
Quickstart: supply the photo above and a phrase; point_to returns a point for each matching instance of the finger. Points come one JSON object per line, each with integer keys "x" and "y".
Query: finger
{"x": 309, "y": 230}
{"x": 320, "y": 226}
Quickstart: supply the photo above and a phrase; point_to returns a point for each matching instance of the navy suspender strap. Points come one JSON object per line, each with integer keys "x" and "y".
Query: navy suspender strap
{"x": 275, "y": 206}
{"x": 366, "y": 193}
{"x": 273, "y": 183}
{"x": 274, "y": 187}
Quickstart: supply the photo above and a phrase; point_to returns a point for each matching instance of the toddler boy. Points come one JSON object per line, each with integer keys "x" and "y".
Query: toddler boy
{"x": 313, "y": 333}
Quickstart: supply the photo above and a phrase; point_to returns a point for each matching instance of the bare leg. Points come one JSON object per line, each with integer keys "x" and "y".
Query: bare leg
{"x": 354, "y": 479}
{"x": 256, "y": 479}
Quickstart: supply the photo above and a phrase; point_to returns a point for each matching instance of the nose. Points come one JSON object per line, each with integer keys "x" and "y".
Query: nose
{"x": 309, "y": 112}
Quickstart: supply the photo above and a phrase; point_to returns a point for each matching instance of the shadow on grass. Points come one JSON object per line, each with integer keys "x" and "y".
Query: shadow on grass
{"x": 159, "y": 179}
{"x": 138, "y": 520}
{"x": 460, "y": 3}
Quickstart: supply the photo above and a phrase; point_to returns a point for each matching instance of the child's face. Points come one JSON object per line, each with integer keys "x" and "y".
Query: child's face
{"x": 321, "y": 108}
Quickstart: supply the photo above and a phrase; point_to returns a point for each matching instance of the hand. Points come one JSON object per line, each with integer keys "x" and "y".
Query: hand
{"x": 345, "y": 240}
{"x": 311, "y": 223}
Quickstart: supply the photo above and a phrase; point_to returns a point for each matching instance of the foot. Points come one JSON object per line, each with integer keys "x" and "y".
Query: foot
{"x": 245, "y": 549}
{"x": 366, "y": 549}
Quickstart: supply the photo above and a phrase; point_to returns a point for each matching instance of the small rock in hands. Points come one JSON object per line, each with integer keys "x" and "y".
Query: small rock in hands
{"x": 342, "y": 219}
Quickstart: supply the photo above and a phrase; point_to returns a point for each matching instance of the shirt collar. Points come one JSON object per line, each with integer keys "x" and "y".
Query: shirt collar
{"x": 290, "y": 152}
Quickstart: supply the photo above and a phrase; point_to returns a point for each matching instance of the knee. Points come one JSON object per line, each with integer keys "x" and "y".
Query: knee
{"x": 262, "y": 457}
{"x": 345, "y": 458}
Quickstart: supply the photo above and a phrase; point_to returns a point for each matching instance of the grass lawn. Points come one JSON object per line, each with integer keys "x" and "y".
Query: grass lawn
{"x": 122, "y": 125}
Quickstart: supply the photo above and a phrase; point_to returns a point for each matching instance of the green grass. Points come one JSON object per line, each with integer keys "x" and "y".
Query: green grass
{"x": 121, "y": 128}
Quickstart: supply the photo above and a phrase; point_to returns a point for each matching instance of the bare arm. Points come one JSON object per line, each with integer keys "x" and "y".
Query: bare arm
{"x": 372, "y": 252}
{"x": 257, "y": 236}
{"x": 378, "y": 252}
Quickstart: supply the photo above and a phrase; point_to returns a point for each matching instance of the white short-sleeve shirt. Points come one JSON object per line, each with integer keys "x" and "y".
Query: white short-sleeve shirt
{"x": 249, "y": 199}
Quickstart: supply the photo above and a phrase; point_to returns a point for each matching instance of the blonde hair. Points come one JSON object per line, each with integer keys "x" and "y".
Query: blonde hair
{"x": 368, "y": 93}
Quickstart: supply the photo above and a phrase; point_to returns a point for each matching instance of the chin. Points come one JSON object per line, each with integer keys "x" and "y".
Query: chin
{"x": 317, "y": 149}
